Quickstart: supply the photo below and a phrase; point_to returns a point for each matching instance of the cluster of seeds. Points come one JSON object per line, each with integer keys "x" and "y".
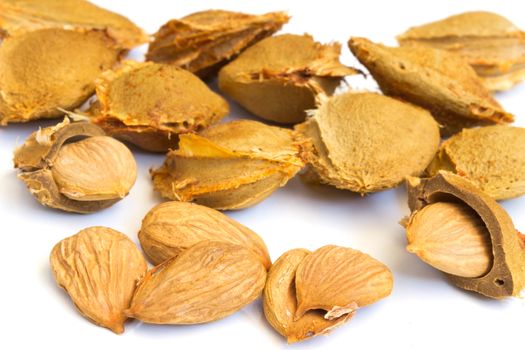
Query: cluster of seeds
{"x": 207, "y": 266}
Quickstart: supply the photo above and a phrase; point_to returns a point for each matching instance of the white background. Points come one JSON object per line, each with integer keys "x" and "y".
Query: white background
{"x": 424, "y": 311}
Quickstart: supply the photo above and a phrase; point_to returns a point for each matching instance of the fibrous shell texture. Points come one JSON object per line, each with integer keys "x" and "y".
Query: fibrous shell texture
{"x": 99, "y": 269}
{"x": 308, "y": 294}
{"x": 18, "y": 16}
{"x": 492, "y": 157}
{"x": 44, "y": 70}
{"x": 72, "y": 174}
{"x": 172, "y": 227}
{"x": 149, "y": 104}
{"x": 506, "y": 276}
{"x": 440, "y": 81}
{"x": 229, "y": 166}
{"x": 365, "y": 142}
{"x": 204, "y": 41}
{"x": 490, "y": 43}
{"x": 280, "y": 77}
{"x": 204, "y": 283}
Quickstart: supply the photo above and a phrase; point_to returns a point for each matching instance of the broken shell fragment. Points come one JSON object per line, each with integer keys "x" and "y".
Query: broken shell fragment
{"x": 207, "y": 282}
{"x": 434, "y": 79}
{"x": 490, "y": 43}
{"x": 18, "y": 16}
{"x": 99, "y": 269}
{"x": 204, "y": 41}
{"x": 229, "y": 166}
{"x": 149, "y": 104}
{"x": 280, "y": 302}
{"x": 44, "y": 71}
{"x": 72, "y": 174}
{"x": 366, "y": 142}
{"x": 172, "y": 227}
{"x": 506, "y": 274}
{"x": 281, "y": 77}
{"x": 491, "y": 157}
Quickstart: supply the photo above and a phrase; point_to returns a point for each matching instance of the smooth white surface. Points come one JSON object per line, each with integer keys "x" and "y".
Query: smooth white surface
{"x": 424, "y": 312}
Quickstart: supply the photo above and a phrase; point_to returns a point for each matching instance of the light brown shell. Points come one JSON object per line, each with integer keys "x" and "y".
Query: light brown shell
{"x": 442, "y": 82}
{"x": 339, "y": 280}
{"x": 490, "y": 43}
{"x": 491, "y": 157}
{"x": 229, "y": 166}
{"x": 72, "y": 174}
{"x": 365, "y": 142}
{"x": 207, "y": 282}
{"x": 99, "y": 268}
{"x": 18, "y": 16}
{"x": 48, "y": 69}
{"x": 281, "y": 77}
{"x": 280, "y": 302}
{"x": 149, "y": 104}
{"x": 204, "y": 41}
{"x": 172, "y": 227}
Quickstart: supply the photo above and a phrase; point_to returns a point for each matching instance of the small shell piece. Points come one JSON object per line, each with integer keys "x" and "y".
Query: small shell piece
{"x": 437, "y": 80}
{"x": 75, "y": 175}
{"x": 99, "y": 269}
{"x": 229, "y": 166}
{"x": 490, "y": 43}
{"x": 366, "y": 142}
{"x": 491, "y": 157}
{"x": 506, "y": 275}
{"x": 149, "y": 104}
{"x": 281, "y": 77}
{"x": 204, "y": 41}
{"x": 18, "y": 16}
{"x": 172, "y": 227}
{"x": 46, "y": 70}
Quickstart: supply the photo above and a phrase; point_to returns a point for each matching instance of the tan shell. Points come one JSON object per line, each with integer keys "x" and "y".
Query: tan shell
{"x": 365, "y": 142}
{"x": 229, "y": 166}
{"x": 149, "y": 104}
{"x": 490, "y": 43}
{"x": 491, "y": 157}
{"x": 204, "y": 41}
{"x": 172, "y": 227}
{"x": 339, "y": 280}
{"x": 18, "y": 16}
{"x": 204, "y": 283}
{"x": 452, "y": 238}
{"x": 280, "y": 302}
{"x": 48, "y": 69}
{"x": 281, "y": 77}
{"x": 434, "y": 79}
{"x": 99, "y": 268}
{"x": 81, "y": 176}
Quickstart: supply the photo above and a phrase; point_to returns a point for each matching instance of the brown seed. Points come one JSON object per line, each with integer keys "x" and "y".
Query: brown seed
{"x": 204, "y": 283}
{"x": 36, "y": 79}
{"x": 172, "y": 227}
{"x": 490, "y": 43}
{"x": 339, "y": 280}
{"x": 137, "y": 104}
{"x": 367, "y": 142}
{"x": 452, "y": 238}
{"x": 492, "y": 157}
{"x": 99, "y": 268}
{"x": 434, "y": 79}
{"x": 229, "y": 166}
{"x": 204, "y": 41}
{"x": 280, "y": 302}
{"x": 75, "y": 175}
{"x": 506, "y": 276}
{"x": 281, "y": 77}
{"x": 22, "y": 16}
